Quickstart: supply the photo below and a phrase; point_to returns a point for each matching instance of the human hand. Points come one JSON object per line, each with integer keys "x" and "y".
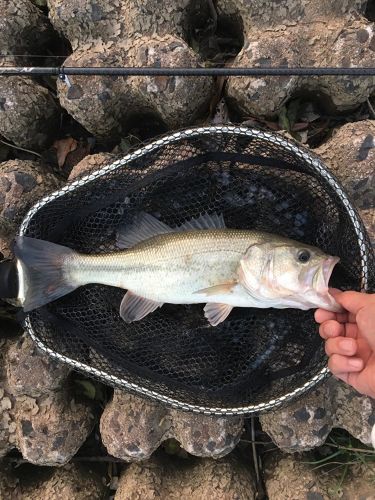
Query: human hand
{"x": 350, "y": 339}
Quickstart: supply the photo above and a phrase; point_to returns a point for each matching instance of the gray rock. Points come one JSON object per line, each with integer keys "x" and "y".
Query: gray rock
{"x": 51, "y": 428}
{"x": 22, "y": 183}
{"x": 162, "y": 477}
{"x": 133, "y": 428}
{"x": 350, "y": 155}
{"x": 31, "y": 372}
{"x": 309, "y": 33}
{"x": 28, "y": 113}
{"x": 82, "y": 21}
{"x": 100, "y": 106}
{"x": 306, "y": 423}
{"x": 39, "y": 414}
{"x": 73, "y": 481}
{"x": 291, "y": 478}
{"x": 303, "y": 424}
{"x": 23, "y": 29}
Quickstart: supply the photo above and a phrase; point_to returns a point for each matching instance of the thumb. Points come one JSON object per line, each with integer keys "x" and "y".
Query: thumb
{"x": 354, "y": 301}
{"x": 366, "y": 323}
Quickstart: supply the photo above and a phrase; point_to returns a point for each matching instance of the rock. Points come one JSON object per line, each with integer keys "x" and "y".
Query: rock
{"x": 303, "y": 424}
{"x": 161, "y": 477}
{"x": 288, "y": 478}
{"x": 306, "y": 423}
{"x": 265, "y": 95}
{"x": 8, "y": 483}
{"x": 170, "y": 97}
{"x": 22, "y": 183}
{"x": 130, "y": 33}
{"x": 23, "y": 29}
{"x": 291, "y": 478}
{"x": 353, "y": 412}
{"x": 51, "y": 429}
{"x": 132, "y": 429}
{"x": 100, "y": 106}
{"x": 39, "y": 414}
{"x": 31, "y": 372}
{"x": 73, "y": 481}
{"x": 28, "y": 113}
{"x": 150, "y": 17}
{"x": 290, "y": 33}
{"x": 113, "y": 22}
{"x": 82, "y": 21}
{"x": 7, "y": 424}
{"x": 89, "y": 164}
{"x": 350, "y": 155}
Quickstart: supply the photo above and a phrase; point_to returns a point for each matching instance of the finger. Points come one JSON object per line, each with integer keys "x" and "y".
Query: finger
{"x": 354, "y": 301}
{"x": 341, "y": 345}
{"x": 323, "y": 315}
{"x": 351, "y": 330}
{"x": 335, "y": 292}
{"x": 339, "y": 364}
{"x": 331, "y": 328}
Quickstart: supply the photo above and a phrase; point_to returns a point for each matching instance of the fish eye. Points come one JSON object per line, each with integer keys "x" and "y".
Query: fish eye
{"x": 303, "y": 256}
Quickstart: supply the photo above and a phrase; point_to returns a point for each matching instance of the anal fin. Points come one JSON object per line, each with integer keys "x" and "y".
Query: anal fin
{"x": 133, "y": 307}
{"x": 216, "y": 313}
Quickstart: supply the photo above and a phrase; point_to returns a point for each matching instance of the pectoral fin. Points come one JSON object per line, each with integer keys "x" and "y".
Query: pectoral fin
{"x": 218, "y": 289}
{"x": 134, "y": 308}
{"x": 216, "y": 313}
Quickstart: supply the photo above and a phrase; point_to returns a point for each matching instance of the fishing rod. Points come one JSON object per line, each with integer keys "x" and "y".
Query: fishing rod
{"x": 63, "y": 71}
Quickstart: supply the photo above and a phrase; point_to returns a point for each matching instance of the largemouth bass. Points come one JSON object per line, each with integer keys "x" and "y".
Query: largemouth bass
{"x": 201, "y": 261}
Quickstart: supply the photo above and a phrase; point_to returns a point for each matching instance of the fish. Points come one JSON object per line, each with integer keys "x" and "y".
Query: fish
{"x": 201, "y": 261}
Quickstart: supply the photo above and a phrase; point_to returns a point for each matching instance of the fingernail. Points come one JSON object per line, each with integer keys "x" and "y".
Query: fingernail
{"x": 347, "y": 345}
{"x": 355, "y": 363}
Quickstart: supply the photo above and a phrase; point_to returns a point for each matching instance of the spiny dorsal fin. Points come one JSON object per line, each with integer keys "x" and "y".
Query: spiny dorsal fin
{"x": 134, "y": 308}
{"x": 146, "y": 226}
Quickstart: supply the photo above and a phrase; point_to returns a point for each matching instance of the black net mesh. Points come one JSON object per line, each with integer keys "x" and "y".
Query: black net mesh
{"x": 255, "y": 356}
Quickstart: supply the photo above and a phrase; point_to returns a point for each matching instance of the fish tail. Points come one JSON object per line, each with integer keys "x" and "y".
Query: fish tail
{"x": 45, "y": 271}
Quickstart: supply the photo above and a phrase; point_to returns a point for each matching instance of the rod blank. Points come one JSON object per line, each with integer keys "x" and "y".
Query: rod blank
{"x": 151, "y": 71}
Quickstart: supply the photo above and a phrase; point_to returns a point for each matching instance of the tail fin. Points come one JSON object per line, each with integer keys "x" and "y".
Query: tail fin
{"x": 44, "y": 269}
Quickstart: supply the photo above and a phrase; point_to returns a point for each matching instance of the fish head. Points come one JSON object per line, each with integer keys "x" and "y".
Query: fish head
{"x": 290, "y": 274}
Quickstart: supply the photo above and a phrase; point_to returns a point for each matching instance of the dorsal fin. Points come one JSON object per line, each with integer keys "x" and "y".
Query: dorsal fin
{"x": 145, "y": 226}
{"x": 205, "y": 221}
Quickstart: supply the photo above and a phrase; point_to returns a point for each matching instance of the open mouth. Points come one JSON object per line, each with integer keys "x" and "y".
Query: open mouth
{"x": 328, "y": 266}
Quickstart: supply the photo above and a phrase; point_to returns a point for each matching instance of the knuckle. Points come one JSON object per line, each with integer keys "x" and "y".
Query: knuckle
{"x": 334, "y": 363}
{"x": 331, "y": 347}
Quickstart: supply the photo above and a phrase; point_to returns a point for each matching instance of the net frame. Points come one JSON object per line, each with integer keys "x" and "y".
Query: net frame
{"x": 304, "y": 155}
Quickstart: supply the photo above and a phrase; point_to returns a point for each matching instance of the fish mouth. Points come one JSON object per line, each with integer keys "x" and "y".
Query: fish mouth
{"x": 327, "y": 269}
{"x": 329, "y": 301}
